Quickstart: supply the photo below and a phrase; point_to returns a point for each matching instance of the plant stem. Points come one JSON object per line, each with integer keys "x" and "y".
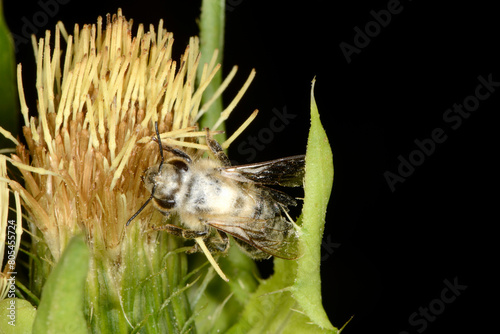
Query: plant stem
{"x": 211, "y": 38}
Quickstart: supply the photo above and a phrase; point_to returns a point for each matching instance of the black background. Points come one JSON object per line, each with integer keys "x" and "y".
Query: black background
{"x": 386, "y": 252}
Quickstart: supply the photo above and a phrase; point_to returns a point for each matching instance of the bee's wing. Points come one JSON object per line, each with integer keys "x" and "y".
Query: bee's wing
{"x": 278, "y": 196}
{"x": 280, "y": 240}
{"x": 288, "y": 172}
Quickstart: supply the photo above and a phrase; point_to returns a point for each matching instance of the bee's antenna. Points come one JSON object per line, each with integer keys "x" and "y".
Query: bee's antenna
{"x": 161, "y": 147}
{"x": 142, "y": 207}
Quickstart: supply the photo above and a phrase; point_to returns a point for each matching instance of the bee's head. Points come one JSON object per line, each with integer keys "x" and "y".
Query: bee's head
{"x": 166, "y": 179}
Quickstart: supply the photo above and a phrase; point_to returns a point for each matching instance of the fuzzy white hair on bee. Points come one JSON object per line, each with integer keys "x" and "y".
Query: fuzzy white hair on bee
{"x": 213, "y": 199}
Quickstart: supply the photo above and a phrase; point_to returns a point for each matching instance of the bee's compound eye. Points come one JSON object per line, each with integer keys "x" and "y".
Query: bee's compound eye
{"x": 148, "y": 176}
{"x": 179, "y": 164}
{"x": 167, "y": 203}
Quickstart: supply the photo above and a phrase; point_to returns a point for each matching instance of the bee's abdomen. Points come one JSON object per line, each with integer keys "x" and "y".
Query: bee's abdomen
{"x": 264, "y": 208}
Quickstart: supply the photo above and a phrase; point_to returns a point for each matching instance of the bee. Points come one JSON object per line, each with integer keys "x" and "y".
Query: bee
{"x": 214, "y": 199}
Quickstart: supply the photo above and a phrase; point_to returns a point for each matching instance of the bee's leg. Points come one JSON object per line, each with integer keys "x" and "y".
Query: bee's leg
{"x": 223, "y": 244}
{"x": 187, "y": 234}
{"x": 214, "y": 244}
{"x": 176, "y": 152}
{"x": 181, "y": 232}
{"x": 217, "y": 150}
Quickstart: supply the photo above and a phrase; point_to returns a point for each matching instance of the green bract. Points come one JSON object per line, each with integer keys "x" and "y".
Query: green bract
{"x": 290, "y": 300}
{"x": 61, "y": 305}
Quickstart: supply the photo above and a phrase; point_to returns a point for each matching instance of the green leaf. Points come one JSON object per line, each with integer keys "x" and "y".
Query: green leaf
{"x": 290, "y": 300}
{"x": 317, "y": 189}
{"x": 8, "y": 92}
{"x": 61, "y": 305}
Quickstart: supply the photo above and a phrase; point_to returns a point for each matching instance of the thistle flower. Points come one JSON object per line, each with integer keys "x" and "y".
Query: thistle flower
{"x": 87, "y": 149}
{"x": 98, "y": 102}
